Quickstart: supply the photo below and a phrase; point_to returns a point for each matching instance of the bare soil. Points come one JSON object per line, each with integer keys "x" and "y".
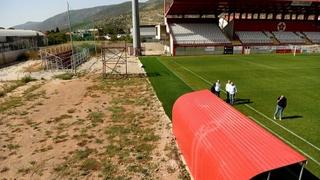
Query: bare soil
{"x": 86, "y": 128}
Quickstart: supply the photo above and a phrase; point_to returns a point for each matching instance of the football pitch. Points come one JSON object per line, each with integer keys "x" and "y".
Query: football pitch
{"x": 260, "y": 79}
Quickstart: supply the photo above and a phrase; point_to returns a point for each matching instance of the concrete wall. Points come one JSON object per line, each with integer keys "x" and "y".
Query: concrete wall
{"x": 10, "y": 56}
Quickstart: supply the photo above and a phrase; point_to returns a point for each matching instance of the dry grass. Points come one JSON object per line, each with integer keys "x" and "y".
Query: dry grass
{"x": 61, "y": 130}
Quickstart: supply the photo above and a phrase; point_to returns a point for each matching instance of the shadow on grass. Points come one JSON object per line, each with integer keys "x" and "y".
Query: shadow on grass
{"x": 153, "y": 74}
{"x": 242, "y": 101}
{"x": 292, "y": 117}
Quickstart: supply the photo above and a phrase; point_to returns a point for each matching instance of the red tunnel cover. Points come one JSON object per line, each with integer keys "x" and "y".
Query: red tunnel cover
{"x": 218, "y": 142}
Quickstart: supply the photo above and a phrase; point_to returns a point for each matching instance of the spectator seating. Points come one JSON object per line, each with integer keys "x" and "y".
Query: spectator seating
{"x": 268, "y": 34}
{"x": 286, "y": 37}
{"x": 314, "y": 37}
{"x": 253, "y": 37}
{"x": 198, "y": 33}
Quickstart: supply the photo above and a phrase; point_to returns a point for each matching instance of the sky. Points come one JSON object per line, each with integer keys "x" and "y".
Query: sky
{"x": 14, "y": 12}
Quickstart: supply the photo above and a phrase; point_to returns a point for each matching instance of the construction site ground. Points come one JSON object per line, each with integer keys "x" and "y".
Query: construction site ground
{"x": 87, "y": 127}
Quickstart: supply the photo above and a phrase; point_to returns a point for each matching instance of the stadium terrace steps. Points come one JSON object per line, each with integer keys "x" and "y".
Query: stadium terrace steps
{"x": 286, "y": 37}
{"x": 314, "y": 37}
{"x": 253, "y": 37}
{"x": 196, "y": 33}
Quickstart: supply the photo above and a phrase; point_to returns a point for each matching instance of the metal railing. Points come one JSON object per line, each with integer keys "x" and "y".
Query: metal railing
{"x": 65, "y": 60}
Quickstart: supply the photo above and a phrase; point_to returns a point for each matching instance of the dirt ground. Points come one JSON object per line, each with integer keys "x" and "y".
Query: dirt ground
{"x": 86, "y": 128}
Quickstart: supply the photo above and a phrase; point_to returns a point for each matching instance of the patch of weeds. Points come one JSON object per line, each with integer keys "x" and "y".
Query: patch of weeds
{"x": 33, "y": 96}
{"x": 46, "y": 148}
{"x": 108, "y": 169}
{"x": 112, "y": 150}
{"x": 62, "y": 167}
{"x": 116, "y": 130}
{"x": 60, "y": 138}
{"x": 13, "y": 146}
{"x": 23, "y": 113}
{"x": 95, "y": 88}
{"x": 134, "y": 168}
{"x": 61, "y": 126}
{"x": 90, "y": 164}
{"x": 15, "y": 85}
{"x": 39, "y": 104}
{"x": 117, "y": 112}
{"x": 96, "y": 117}
{"x": 13, "y": 102}
{"x": 27, "y": 79}
{"x": 4, "y": 169}
{"x": 183, "y": 174}
{"x": 48, "y": 133}
{"x": 24, "y": 171}
{"x": 99, "y": 141}
{"x": 65, "y": 76}
{"x": 171, "y": 170}
{"x": 151, "y": 137}
{"x": 62, "y": 117}
{"x": 82, "y": 143}
{"x": 70, "y": 111}
{"x": 144, "y": 151}
{"x": 82, "y": 154}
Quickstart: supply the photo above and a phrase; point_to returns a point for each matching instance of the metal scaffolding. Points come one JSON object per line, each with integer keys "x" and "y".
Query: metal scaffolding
{"x": 114, "y": 59}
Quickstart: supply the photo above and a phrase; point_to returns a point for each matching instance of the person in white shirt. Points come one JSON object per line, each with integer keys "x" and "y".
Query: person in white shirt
{"x": 217, "y": 88}
{"x": 232, "y": 92}
{"x": 227, "y": 90}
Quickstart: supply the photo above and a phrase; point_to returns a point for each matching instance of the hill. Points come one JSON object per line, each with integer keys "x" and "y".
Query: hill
{"x": 151, "y": 13}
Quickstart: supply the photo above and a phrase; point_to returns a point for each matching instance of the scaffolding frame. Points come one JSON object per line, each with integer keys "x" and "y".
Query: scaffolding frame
{"x": 112, "y": 58}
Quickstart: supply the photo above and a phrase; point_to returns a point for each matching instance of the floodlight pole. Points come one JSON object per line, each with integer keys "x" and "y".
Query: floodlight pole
{"x": 269, "y": 174}
{"x": 301, "y": 172}
{"x": 136, "y": 28}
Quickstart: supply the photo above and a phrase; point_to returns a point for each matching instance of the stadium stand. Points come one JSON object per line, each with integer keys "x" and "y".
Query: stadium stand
{"x": 205, "y": 27}
{"x": 314, "y": 37}
{"x": 196, "y": 33}
{"x": 286, "y": 37}
{"x": 268, "y": 34}
{"x": 253, "y": 37}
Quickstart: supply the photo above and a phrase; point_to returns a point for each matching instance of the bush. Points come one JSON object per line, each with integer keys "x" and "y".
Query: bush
{"x": 65, "y": 76}
{"x": 27, "y": 79}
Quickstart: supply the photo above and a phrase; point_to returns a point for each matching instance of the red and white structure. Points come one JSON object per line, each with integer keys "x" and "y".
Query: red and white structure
{"x": 207, "y": 26}
{"x": 218, "y": 142}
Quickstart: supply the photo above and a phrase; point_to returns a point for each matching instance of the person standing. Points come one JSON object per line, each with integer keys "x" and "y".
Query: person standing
{"x": 217, "y": 87}
{"x": 232, "y": 92}
{"x": 227, "y": 88}
{"x": 213, "y": 88}
{"x": 281, "y": 105}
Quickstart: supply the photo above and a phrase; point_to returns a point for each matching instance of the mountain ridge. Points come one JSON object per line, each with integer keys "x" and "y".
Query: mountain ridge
{"x": 98, "y": 15}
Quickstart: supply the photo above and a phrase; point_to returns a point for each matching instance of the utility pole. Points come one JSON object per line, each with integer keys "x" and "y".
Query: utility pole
{"x": 136, "y": 28}
{"x": 72, "y": 48}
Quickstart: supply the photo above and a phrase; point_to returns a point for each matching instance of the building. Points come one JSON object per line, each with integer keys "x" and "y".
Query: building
{"x": 151, "y": 32}
{"x": 14, "y": 43}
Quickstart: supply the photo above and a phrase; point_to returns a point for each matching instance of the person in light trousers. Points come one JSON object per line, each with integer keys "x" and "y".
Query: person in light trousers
{"x": 232, "y": 92}
{"x": 281, "y": 105}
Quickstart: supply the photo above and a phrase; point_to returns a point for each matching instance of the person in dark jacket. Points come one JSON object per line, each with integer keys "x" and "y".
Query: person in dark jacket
{"x": 281, "y": 105}
{"x": 213, "y": 88}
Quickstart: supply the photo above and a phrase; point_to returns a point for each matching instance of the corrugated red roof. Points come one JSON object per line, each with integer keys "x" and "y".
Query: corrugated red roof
{"x": 254, "y": 6}
{"x": 218, "y": 142}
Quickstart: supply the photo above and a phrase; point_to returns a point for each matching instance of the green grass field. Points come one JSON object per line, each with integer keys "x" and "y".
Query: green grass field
{"x": 260, "y": 79}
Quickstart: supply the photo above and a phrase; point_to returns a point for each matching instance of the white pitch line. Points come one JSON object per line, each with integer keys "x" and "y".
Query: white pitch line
{"x": 260, "y": 113}
{"x": 306, "y": 154}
